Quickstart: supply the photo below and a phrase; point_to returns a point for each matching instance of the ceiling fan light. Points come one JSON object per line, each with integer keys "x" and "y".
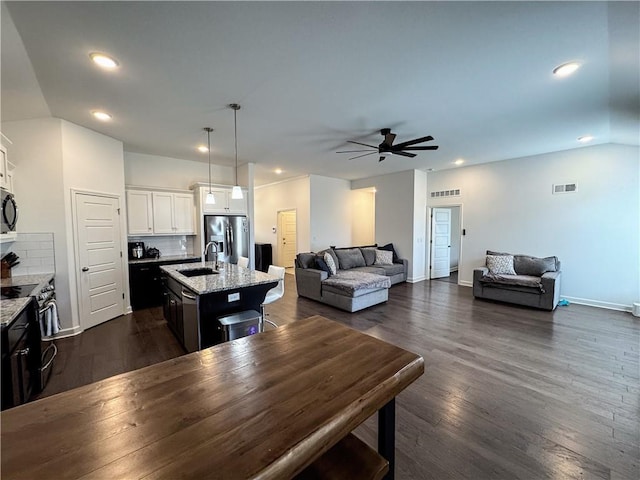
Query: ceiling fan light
{"x": 236, "y": 193}
{"x": 104, "y": 60}
{"x": 211, "y": 199}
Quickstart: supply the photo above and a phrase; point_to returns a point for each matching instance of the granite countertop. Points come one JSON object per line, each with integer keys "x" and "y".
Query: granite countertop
{"x": 11, "y": 308}
{"x": 230, "y": 277}
{"x": 168, "y": 258}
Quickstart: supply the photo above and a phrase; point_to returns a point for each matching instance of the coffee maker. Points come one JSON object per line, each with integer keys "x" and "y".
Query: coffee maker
{"x": 136, "y": 250}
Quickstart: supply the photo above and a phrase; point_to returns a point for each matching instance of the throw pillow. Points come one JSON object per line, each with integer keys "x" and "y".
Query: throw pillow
{"x": 526, "y": 265}
{"x": 350, "y": 258}
{"x": 331, "y": 252}
{"x": 384, "y": 257}
{"x": 500, "y": 264}
{"x": 322, "y": 265}
{"x": 328, "y": 258}
{"x": 389, "y": 247}
{"x": 306, "y": 260}
{"x": 369, "y": 255}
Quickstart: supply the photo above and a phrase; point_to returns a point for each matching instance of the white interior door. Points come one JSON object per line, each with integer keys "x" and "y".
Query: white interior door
{"x": 440, "y": 242}
{"x": 100, "y": 285}
{"x": 287, "y": 240}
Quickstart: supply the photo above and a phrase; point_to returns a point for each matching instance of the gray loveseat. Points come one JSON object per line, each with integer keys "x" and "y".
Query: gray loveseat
{"x": 359, "y": 281}
{"x": 534, "y": 282}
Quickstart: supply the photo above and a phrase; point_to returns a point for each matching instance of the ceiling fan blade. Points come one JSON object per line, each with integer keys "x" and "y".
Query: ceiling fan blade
{"x": 381, "y": 158}
{"x": 364, "y": 144}
{"x": 430, "y": 147}
{"x": 352, "y": 151}
{"x": 401, "y": 146}
{"x": 389, "y": 138}
{"x": 370, "y": 153}
{"x": 405, "y": 154}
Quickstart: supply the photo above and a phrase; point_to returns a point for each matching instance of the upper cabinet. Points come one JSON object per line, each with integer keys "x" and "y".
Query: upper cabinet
{"x": 160, "y": 213}
{"x": 4, "y": 168}
{"x": 224, "y": 203}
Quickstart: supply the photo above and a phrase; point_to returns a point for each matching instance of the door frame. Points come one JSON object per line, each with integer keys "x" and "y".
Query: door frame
{"x": 429, "y": 234}
{"x": 75, "y": 264}
{"x": 279, "y": 232}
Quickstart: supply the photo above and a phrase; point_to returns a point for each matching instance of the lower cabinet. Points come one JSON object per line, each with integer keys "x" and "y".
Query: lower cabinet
{"x": 146, "y": 283}
{"x": 173, "y": 308}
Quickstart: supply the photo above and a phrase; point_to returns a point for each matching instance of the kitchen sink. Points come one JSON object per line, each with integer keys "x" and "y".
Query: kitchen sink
{"x": 197, "y": 272}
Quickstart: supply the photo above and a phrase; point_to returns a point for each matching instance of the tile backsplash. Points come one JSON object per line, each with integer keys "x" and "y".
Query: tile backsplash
{"x": 169, "y": 245}
{"x": 36, "y": 252}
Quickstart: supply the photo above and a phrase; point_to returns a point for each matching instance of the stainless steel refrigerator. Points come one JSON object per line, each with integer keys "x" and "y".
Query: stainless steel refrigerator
{"x": 231, "y": 234}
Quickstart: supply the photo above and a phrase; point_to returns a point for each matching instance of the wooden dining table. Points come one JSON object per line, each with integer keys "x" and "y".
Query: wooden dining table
{"x": 264, "y": 406}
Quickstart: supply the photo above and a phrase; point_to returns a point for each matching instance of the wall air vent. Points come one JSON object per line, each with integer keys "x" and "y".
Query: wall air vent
{"x": 565, "y": 188}
{"x": 446, "y": 193}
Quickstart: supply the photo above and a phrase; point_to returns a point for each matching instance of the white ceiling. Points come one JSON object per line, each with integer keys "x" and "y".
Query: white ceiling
{"x": 311, "y": 75}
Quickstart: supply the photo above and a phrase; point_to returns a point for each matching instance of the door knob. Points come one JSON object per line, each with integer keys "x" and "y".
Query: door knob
{"x": 85, "y": 269}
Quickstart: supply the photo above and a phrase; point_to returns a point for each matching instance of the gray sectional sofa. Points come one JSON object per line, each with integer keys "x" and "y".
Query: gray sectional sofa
{"x": 359, "y": 282}
{"x": 534, "y": 282}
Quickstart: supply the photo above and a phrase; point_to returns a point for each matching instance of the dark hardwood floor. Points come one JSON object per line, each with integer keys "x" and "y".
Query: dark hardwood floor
{"x": 508, "y": 392}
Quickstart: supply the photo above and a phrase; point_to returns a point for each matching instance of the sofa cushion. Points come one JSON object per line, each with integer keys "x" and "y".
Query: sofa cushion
{"x": 306, "y": 260}
{"x": 500, "y": 264}
{"x": 350, "y": 282}
{"x": 369, "y": 255}
{"x": 383, "y": 257}
{"x": 350, "y": 258}
{"x": 322, "y": 265}
{"x": 526, "y": 265}
{"x": 331, "y": 252}
{"x": 328, "y": 259}
{"x": 389, "y": 247}
{"x": 390, "y": 270}
{"x": 519, "y": 280}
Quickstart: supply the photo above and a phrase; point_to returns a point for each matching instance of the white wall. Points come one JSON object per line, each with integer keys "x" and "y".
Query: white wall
{"x": 419, "y": 268}
{"x": 53, "y": 157}
{"x": 331, "y": 206}
{"x": 156, "y": 171}
{"x": 508, "y": 206}
{"x": 363, "y": 223}
{"x": 455, "y": 238}
{"x": 287, "y": 195}
{"x": 395, "y": 212}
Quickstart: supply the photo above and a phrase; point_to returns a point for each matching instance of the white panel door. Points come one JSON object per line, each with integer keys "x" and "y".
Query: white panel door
{"x": 287, "y": 240}
{"x": 100, "y": 289}
{"x": 440, "y": 242}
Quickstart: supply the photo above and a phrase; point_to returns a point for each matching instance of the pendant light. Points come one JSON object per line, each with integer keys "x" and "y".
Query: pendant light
{"x": 210, "y": 199}
{"x": 236, "y": 192}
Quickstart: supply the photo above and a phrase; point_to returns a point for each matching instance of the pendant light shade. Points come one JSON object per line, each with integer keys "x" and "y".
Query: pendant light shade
{"x": 236, "y": 192}
{"x": 210, "y": 199}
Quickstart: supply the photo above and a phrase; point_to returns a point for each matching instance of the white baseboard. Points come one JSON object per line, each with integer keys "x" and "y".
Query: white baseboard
{"x": 465, "y": 283}
{"x": 64, "y": 333}
{"x": 416, "y": 279}
{"x": 128, "y": 310}
{"x": 599, "y": 304}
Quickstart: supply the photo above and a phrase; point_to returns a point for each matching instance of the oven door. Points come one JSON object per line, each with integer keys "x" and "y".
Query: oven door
{"x": 9, "y": 215}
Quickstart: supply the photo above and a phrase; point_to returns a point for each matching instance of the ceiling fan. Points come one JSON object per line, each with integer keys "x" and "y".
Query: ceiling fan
{"x": 388, "y": 148}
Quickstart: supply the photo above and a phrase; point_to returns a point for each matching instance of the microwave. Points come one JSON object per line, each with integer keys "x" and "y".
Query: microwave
{"x": 9, "y": 214}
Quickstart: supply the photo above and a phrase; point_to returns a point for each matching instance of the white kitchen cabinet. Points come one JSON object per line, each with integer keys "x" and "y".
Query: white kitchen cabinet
{"x": 160, "y": 213}
{"x": 139, "y": 212}
{"x": 224, "y": 203}
{"x": 4, "y": 167}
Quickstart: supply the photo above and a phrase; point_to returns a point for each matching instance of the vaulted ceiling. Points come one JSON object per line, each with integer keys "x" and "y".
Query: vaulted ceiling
{"x": 309, "y": 76}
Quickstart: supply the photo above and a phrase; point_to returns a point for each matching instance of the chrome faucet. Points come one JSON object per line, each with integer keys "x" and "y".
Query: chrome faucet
{"x": 215, "y": 254}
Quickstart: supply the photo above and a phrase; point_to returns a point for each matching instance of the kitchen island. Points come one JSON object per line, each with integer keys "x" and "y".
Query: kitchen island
{"x": 197, "y": 295}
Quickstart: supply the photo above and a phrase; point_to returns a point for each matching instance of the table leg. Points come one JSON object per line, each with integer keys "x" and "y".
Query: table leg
{"x": 387, "y": 435}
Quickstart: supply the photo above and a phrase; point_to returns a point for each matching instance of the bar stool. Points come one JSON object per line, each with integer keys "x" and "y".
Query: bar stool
{"x": 243, "y": 262}
{"x": 272, "y": 295}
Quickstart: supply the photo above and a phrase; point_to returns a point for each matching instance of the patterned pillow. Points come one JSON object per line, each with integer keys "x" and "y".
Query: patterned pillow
{"x": 500, "y": 264}
{"x": 328, "y": 259}
{"x": 383, "y": 257}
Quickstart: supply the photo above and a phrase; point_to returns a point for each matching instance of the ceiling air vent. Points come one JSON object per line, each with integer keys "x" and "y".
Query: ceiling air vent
{"x": 565, "y": 188}
{"x": 446, "y": 193}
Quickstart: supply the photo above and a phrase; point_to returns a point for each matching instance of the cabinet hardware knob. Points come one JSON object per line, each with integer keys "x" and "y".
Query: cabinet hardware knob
{"x": 85, "y": 269}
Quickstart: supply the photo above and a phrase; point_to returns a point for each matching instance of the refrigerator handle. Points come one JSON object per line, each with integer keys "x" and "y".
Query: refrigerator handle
{"x": 231, "y": 238}
{"x": 227, "y": 238}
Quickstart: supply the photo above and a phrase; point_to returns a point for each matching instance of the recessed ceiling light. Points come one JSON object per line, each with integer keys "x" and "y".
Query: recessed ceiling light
{"x": 202, "y": 148}
{"x": 459, "y": 161}
{"x": 102, "y": 116}
{"x": 278, "y": 171}
{"x": 585, "y": 138}
{"x": 104, "y": 61}
{"x": 566, "y": 69}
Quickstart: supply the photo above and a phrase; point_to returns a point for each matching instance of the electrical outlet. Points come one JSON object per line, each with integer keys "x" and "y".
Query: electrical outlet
{"x": 233, "y": 297}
